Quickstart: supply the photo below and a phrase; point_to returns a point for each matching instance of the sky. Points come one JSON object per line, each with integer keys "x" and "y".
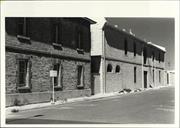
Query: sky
{"x": 159, "y": 31}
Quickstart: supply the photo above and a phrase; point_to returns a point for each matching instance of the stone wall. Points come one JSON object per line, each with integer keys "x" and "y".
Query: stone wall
{"x": 40, "y": 79}
{"x": 42, "y": 54}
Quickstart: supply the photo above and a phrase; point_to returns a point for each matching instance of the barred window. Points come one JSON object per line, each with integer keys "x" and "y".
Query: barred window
{"x": 23, "y": 73}
{"x": 80, "y": 76}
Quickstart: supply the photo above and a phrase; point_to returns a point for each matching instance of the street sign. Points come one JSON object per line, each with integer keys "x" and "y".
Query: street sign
{"x": 53, "y": 73}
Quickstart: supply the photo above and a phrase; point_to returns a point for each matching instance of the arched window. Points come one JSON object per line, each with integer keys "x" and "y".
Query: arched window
{"x": 117, "y": 69}
{"x": 109, "y": 68}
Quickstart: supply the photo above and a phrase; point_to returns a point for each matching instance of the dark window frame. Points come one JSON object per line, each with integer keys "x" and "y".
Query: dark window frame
{"x": 109, "y": 68}
{"x": 26, "y": 75}
{"x": 117, "y": 70}
{"x": 23, "y": 29}
{"x": 58, "y": 67}
{"x": 57, "y": 34}
{"x": 144, "y": 56}
{"x": 153, "y": 55}
{"x": 159, "y": 57}
{"x": 80, "y": 76}
{"x": 167, "y": 78}
{"x": 22, "y": 72}
{"x": 125, "y": 46}
{"x": 134, "y": 48}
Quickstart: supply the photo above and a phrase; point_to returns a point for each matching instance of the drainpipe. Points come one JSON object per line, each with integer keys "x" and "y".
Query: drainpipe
{"x": 142, "y": 67}
{"x": 103, "y": 64}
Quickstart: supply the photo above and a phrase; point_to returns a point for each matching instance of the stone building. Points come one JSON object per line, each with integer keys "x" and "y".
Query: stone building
{"x": 120, "y": 60}
{"x": 34, "y": 46}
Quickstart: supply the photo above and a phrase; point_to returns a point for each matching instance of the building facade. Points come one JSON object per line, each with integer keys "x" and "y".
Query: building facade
{"x": 35, "y": 46}
{"x": 122, "y": 61}
{"x": 170, "y": 78}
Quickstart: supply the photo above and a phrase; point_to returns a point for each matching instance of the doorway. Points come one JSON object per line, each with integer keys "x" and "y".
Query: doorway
{"x": 145, "y": 79}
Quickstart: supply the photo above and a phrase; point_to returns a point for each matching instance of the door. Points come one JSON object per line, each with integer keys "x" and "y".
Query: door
{"x": 145, "y": 79}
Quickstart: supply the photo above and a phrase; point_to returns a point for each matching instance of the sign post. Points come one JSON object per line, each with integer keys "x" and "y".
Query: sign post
{"x": 53, "y": 73}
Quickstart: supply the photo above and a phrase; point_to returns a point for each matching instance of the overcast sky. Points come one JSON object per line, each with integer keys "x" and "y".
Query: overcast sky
{"x": 157, "y": 30}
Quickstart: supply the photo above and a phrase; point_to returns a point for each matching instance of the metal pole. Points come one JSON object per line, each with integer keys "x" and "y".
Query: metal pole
{"x": 104, "y": 54}
{"x": 142, "y": 69}
{"x": 53, "y": 89}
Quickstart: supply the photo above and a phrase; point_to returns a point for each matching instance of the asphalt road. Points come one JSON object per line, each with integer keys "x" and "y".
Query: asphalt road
{"x": 155, "y": 106}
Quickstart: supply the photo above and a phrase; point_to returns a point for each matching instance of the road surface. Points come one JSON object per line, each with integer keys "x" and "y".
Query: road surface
{"x": 154, "y": 106}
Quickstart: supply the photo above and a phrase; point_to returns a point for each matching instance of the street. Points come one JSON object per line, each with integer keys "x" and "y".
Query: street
{"x": 154, "y": 106}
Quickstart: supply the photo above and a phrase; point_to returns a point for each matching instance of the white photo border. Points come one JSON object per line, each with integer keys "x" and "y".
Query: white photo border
{"x": 159, "y": 9}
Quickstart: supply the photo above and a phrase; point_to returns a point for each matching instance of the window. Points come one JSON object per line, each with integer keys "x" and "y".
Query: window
{"x": 159, "y": 57}
{"x": 134, "y": 74}
{"x": 117, "y": 69}
{"x": 153, "y": 75}
{"x": 109, "y": 68}
{"x": 145, "y": 55}
{"x": 57, "y": 34}
{"x": 23, "y": 73}
{"x": 134, "y": 47}
{"x": 167, "y": 78}
{"x": 22, "y": 27}
{"x": 153, "y": 55}
{"x": 80, "y": 75}
{"x": 159, "y": 76}
{"x": 79, "y": 40}
{"x": 125, "y": 46}
{"x": 58, "y": 79}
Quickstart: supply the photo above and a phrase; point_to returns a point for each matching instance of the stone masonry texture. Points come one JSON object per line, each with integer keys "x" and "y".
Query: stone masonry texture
{"x": 42, "y": 54}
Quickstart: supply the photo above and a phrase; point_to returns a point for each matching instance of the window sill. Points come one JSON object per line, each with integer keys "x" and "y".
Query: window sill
{"x": 23, "y": 89}
{"x": 56, "y": 45}
{"x": 80, "y": 51}
{"x": 80, "y": 86}
{"x": 23, "y": 38}
{"x": 58, "y": 88}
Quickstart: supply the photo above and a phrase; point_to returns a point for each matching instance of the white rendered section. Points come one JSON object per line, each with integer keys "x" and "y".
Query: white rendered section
{"x": 96, "y": 36}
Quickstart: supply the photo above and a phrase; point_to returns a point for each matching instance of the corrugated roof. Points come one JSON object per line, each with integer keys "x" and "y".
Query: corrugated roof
{"x": 157, "y": 46}
{"x": 149, "y": 43}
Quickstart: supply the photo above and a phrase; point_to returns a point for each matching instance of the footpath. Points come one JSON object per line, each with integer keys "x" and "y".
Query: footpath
{"x": 15, "y": 109}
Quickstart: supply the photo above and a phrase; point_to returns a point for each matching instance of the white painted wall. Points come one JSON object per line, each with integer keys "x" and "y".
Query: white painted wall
{"x": 97, "y": 36}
